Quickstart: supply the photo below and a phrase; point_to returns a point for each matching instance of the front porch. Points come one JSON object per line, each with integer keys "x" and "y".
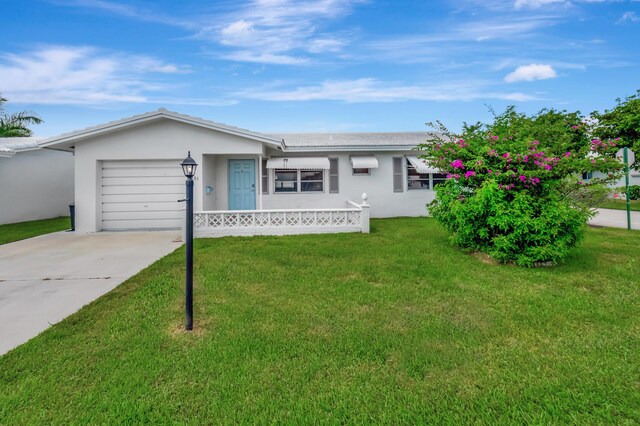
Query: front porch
{"x": 352, "y": 218}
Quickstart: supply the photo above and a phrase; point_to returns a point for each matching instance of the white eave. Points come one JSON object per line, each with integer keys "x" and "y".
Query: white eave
{"x": 67, "y": 141}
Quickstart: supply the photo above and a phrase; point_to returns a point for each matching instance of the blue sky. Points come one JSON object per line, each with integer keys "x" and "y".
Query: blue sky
{"x": 315, "y": 65}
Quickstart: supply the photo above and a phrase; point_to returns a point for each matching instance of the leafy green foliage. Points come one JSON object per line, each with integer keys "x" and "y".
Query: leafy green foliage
{"x": 622, "y": 122}
{"x": 512, "y": 190}
{"x": 634, "y": 192}
{"x": 14, "y": 125}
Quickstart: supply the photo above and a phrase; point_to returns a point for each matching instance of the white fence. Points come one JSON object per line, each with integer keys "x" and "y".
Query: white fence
{"x": 354, "y": 218}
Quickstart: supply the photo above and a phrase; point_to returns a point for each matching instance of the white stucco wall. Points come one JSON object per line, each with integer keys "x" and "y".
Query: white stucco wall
{"x": 35, "y": 185}
{"x": 378, "y": 186}
{"x": 160, "y": 140}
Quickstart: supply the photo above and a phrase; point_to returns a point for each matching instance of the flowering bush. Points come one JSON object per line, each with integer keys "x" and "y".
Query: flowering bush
{"x": 508, "y": 183}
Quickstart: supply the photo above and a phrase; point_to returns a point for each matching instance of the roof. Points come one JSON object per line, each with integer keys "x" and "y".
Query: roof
{"x": 67, "y": 141}
{"x": 384, "y": 141}
{"x": 9, "y": 146}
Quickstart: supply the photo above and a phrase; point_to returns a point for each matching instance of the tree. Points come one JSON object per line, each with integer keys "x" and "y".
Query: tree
{"x": 14, "y": 125}
{"x": 512, "y": 189}
{"x": 622, "y": 122}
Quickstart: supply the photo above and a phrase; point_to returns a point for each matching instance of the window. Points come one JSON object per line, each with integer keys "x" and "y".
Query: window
{"x": 333, "y": 176}
{"x": 438, "y": 178}
{"x": 299, "y": 180}
{"x": 416, "y": 180}
{"x": 359, "y": 172}
{"x": 587, "y": 175}
{"x": 397, "y": 174}
{"x": 265, "y": 177}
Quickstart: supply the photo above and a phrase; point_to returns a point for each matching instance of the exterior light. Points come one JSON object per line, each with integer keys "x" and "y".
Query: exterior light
{"x": 189, "y": 170}
{"x": 189, "y": 166}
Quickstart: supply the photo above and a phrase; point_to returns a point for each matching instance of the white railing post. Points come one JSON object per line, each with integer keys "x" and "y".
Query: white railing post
{"x": 365, "y": 215}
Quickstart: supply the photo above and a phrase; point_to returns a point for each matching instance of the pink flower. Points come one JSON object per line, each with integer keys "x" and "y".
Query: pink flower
{"x": 505, "y": 155}
{"x": 490, "y": 172}
{"x": 456, "y": 176}
{"x": 457, "y": 164}
{"x": 469, "y": 174}
{"x": 547, "y": 166}
{"x": 567, "y": 154}
{"x": 522, "y": 178}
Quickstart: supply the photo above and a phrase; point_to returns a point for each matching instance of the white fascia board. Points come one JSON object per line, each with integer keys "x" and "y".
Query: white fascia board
{"x": 351, "y": 148}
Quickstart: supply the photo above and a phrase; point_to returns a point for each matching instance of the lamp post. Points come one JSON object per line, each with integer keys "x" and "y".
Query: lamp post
{"x": 189, "y": 169}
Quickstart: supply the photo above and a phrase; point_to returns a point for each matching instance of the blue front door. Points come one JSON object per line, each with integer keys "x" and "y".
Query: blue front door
{"x": 242, "y": 185}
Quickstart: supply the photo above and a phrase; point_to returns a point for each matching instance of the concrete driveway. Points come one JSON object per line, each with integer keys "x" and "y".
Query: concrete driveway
{"x": 615, "y": 219}
{"x": 47, "y": 278}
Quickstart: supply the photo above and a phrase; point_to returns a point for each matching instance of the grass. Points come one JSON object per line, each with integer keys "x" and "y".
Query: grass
{"x": 21, "y": 231}
{"x": 392, "y": 327}
{"x": 620, "y": 204}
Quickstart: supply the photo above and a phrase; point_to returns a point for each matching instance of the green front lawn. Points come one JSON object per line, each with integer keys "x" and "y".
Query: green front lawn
{"x": 620, "y": 204}
{"x": 392, "y": 327}
{"x": 23, "y": 230}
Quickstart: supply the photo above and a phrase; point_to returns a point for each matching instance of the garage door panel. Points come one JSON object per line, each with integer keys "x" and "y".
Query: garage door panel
{"x": 142, "y": 194}
{"x": 121, "y": 225}
{"x": 150, "y": 172}
{"x": 142, "y": 198}
{"x": 140, "y": 164}
{"x": 129, "y": 215}
{"x": 141, "y": 180}
{"x": 141, "y": 207}
{"x": 143, "y": 189}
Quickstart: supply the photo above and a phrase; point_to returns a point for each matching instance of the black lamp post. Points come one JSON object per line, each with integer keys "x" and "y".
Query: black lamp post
{"x": 189, "y": 169}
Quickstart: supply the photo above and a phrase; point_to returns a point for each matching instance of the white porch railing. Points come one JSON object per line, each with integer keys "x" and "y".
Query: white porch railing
{"x": 354, "y": 218}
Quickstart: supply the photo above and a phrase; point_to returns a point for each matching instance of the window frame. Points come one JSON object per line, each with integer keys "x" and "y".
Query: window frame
{"x": 428, "y": 179}
{"x": 298, "y": 182}
{"x": 354, "y": 172}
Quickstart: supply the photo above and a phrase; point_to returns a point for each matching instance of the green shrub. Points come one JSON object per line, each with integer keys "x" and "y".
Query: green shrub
{"x": 511, "y": 190}
{"x": 634, "y": 192}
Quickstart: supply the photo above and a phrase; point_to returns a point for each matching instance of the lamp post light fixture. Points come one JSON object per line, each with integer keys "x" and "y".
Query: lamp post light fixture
{"x": 189, "y": 169}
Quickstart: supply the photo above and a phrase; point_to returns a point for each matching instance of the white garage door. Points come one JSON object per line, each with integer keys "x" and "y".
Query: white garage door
{"x": 142, "y": 194}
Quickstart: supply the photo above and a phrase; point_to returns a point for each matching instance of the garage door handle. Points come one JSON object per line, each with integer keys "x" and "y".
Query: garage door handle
{"x": 183, "y": 200}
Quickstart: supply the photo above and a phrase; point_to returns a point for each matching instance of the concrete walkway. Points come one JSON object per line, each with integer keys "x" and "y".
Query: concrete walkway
{"x": 615, "y": 219}
{"x": 47, "y": 278}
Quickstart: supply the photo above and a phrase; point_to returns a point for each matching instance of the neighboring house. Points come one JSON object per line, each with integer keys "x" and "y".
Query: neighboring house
{"x": 35, "y": 183}
{"x": 128, "y": 176}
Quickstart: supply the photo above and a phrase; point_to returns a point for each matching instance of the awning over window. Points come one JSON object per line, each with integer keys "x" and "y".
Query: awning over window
{"x": 421, "y": 165}
{"x": 364, "y": 162}
{"x": 298, "y": 163}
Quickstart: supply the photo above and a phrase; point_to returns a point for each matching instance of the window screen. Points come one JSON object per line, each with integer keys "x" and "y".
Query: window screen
{"x": 265, "y": 177}
{"x": 397, "y": 175}
{"x": 333, "y": 175}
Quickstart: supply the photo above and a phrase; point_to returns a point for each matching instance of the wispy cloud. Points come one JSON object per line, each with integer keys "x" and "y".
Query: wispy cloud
{"x": 628, "y": 17}
{"x": 374, "y": 90}
{"x": 83, "y": 75}
{"x": 129, "y": 11}
{"x": 531, "y": 72}
{"x": 263, "y": 31}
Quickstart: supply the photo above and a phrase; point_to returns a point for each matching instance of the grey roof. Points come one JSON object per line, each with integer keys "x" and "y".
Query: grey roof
{"x": 9, "y": 146}
{"x": 402, "y": 140}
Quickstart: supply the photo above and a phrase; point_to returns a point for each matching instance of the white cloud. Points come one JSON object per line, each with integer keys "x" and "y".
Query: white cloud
{"x": 279, "y": 31}
{"x": 534, "y": 4}
{"x": 374, "y": 90}
{"x": 628, "y": 17}
{"x": 531, "y": 72}
{"x": 81, "y": 75}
